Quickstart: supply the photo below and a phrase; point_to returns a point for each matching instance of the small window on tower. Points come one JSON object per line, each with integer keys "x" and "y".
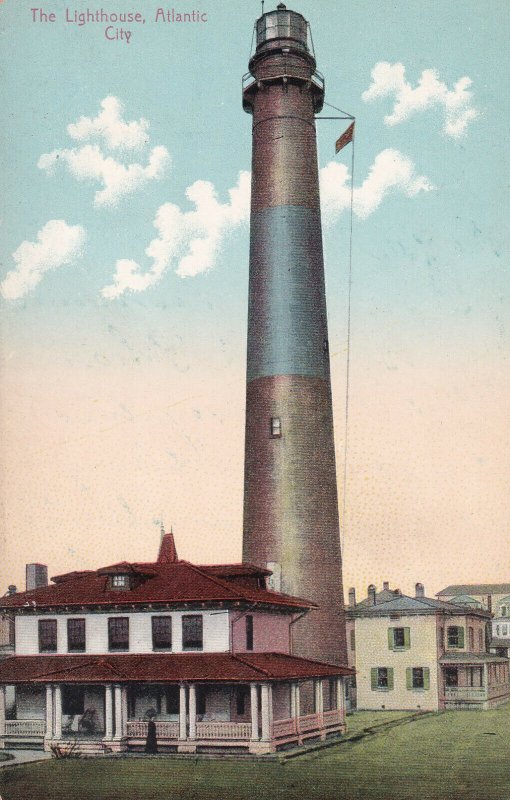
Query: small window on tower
{"x": 276, "y": 427}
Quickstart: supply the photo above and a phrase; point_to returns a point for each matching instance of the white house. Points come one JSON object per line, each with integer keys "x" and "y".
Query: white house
{"x": 204, "y": 650}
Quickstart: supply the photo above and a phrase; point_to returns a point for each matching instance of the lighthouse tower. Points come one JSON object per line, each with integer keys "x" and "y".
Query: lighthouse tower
{"x": 291, "y": 519}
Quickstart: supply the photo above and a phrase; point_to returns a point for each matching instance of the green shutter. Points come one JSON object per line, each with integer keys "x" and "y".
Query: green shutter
{"x": 373, "y": 677}
{"x": 391, "y": 639}
{"x": 390, "y": 677}
{"x": 407, "y": 638}
{"x": 409, "y": 677}
{"x": 461, "y": 637}
{"x": 426, "y": 678}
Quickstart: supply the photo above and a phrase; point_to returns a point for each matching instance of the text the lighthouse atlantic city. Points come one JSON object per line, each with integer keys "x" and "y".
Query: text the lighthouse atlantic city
{"x": 114, "y": 21}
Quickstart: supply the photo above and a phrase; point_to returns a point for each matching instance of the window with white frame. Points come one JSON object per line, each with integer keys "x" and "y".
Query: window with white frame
{"x": 192, "y": 632}
{"x": 120, "y": 581}
{"x": 118, "y": 633}
{"x": 275, "y": 427}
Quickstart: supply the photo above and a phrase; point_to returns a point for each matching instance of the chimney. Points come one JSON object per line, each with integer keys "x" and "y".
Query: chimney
{"x": 386, "y": 586}
{"x": 352, "y": 597}
{"x": 11, "y": 590}
{"x": 167, "y": 552}
{"x": 419, "y": 590}
{"x": 371, "y": 595}
{"x": 36, "y": 576}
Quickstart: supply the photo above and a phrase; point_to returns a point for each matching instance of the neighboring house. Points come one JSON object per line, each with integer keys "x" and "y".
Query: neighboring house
{"x": 204, "y": 650}
{"x": 421, "y": 653}
{"x": 495, "y": 597}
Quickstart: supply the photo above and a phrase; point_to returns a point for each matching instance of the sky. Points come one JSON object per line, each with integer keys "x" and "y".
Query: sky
{"x": 124, "y": 275}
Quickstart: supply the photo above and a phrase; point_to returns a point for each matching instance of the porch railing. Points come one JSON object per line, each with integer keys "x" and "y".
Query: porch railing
{"x": 284, "y": 727}
{"x": 25, "y": 727}
{"x": 164, "y": 730}
{"x": 309, "y": 723}
{"x": 333, "y": 717}
{"x": 223, "y": 730}
{"x": 465, "y": 693}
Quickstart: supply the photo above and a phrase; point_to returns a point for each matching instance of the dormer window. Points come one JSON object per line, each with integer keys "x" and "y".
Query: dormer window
{"x": 120, "y": 582}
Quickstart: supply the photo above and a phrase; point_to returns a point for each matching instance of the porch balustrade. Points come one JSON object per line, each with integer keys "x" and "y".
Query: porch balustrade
{"x": 25, "y": 727}
{"x": 223, "y": 730}
{"x": 310, "y": 722}
{"x": 333, "y": 717}
{"x": 164, "y": 730}
{"x": 465, "y": 693}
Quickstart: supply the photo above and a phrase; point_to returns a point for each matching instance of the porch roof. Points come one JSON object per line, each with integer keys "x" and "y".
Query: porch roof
{"x": 166, "y": 668}
{"x": 471, "y": 658}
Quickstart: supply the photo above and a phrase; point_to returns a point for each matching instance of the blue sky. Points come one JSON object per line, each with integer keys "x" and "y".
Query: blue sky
{"x": 119, "y": 406}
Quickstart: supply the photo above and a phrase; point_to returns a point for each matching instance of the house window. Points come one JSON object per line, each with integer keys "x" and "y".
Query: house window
{"x": 161, "y": 633}
{"x": 451, "y": 676}
{"x": 399, "y": 638}
{"x": 480, "y": 639}
{"x": 471, "y": 635}
{"x": 504, "y": 611}
{"x": 76, "y": 635}
{"x": 118, "y": 633}
{"x": 504, "y": 630}
{"x": 192, "y": 632}
{"x": 441, "y": 638}
{"x": 497, "y": 630}
{"x": 249, "y": 632}
{"x": 382, "y": 678}
{"x": 241, "y": 694}
{"x": 418, "y": 678}
{"x": 172, "y": 700}
{"x": 352, "y": 637}
{"x": 200, "y": 700}
{"x": 475, "y": 677}
{"x": 455, "y": 636}
{"x": 73, "y": 700}
{"x": 275, "y": 427}
{"x": 120, "y": 581}
{"x": 47, "y": 635}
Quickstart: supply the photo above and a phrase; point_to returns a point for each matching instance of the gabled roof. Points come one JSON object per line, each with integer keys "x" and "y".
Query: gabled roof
{"x": 475, "y": 588}
{"x": 168, "y": 583}
{"x": 168, "y": 668}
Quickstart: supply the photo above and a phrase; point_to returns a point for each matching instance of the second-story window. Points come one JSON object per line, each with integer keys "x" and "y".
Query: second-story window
{"x": 47, "y": 635}
{"x": 76, "y": 635}
{"x": 249, "y": 632}
{"x": 455, "y": 636}
{"x": 399, "y": 638}
{"x": 471, "y": 635}
{"x": 192, "y": 632}
{"x": 161, "y": 633}
{"x": 352, "y": 636}
{"x": 440, "y": 638}
{"x": 118, "y": 633}
{"x": 480, "y": 639}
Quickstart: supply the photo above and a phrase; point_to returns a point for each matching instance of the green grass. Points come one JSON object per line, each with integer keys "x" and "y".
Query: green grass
{"x": 451, "y": 756}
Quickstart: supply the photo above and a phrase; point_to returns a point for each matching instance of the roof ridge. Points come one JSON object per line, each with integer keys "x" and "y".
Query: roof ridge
{"x": 217, "y": 581}
{"x": 253, "y": 666}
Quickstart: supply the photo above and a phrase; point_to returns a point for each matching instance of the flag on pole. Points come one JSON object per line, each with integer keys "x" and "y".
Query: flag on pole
{"x": 345, "y": 138}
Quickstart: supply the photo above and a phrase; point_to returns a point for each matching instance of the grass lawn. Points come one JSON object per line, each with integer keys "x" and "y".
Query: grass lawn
{"x": 451, "y": 756}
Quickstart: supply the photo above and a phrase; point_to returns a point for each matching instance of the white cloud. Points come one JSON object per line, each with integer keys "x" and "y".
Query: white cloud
{"x": 90, "y": 162}
{"x": 188, "y": 241}
{"x": 389, "y": 80}
{"x": 118, "y": 180}
{"x": 57, "y": 244}
{"x": 391, "y": 171}
{"x": 109, "y": 126}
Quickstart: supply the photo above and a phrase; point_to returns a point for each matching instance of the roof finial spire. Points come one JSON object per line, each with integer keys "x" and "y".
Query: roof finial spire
{"x": 167, "y": 551}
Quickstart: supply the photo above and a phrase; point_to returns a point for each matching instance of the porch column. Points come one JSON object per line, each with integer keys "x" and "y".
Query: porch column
{"x": 118, "y": 711}
{"x": 319, "y": 697}
{"x": 48, "y": 733}
{"x": 340, "y": 697}
{"x": 182, "y": 711}
{"x": 192, "y": 711}
{"x": 108, "y": 711}
{"x": 266, "y": 713}
{"x": 254, "y": 706}
{"x": 124, "y": 706}
{"x": 295, "y": 703}
{"x": 2, "y": 716}
{"x": 486, "y": 678}
{"x": 58, "y": 711}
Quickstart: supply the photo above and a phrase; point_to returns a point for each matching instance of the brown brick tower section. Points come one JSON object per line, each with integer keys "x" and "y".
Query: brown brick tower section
{"x": 290, "y": 492}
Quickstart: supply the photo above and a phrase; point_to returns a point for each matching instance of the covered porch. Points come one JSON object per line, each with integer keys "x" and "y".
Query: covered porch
{"x": 269, "y": 711}
{"x": 473, "y": 681}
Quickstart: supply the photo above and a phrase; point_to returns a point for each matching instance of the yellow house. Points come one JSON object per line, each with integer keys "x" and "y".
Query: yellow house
{"x": 418, "y": 653}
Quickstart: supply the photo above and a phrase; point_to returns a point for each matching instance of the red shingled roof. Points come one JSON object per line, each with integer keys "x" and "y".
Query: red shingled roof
{"x": 174, "y": 583}
{"x": 158, "y": 667}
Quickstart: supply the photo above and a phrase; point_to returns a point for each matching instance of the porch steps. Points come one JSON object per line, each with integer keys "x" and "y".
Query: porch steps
{"x": 83, "y": 749}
